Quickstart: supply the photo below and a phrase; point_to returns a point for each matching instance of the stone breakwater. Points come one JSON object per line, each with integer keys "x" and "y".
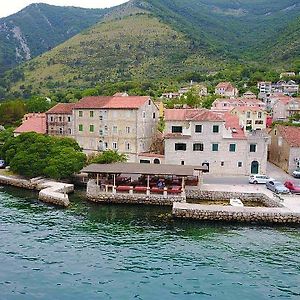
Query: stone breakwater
{"x": 95, "y": 194}
{"x": 50, "y": 191}
{"x": 220, "y": 195}
{"x": 279, "y": 215}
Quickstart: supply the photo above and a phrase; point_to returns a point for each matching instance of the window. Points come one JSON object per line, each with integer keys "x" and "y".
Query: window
{"x": 115, "y": 145}
{"x": 259, "y": 115}
{"x": 275, "y": 132}
{"x": 101, "y": 132}
{"x": 215, "y": 128}
{"x": 149, "y": 102}
{"x": 106, "y": 145}
{"x": 80, "y": 127}
{"x": 70, "y": 131}
{"x": 259, "y": 122}
{"x": 51, "y": 119}
{"x": 248, "y": 114}
{"x": 176, "y": 129}
{"x": 144, "y": 115}
{"x": 198, "y": 128}
{"x": 180, "y": 147}
{"x": 232, "y": 147}
{"x": 101, "y": 118}
{"x": 198, "y": 147}
{"x": 60, "y": 119}
{"x": 127, "y": 129}
{"x": 252, "y": 147}
{"x": 222, "y": 163}
{"x": 127, "y": 146}
{"x": 115, "y": 129}
{"x": 91, "y": 128}
{"x": 249, "y": 122}
{"x": 182, "y": 162}
{"x": 240, "y": 164}
{"x": 91, "y": 114}
{"x": 153, "y": 116}
{"x": 80, "y": 113}
{"x": 69, "y": 119}
{"x": 60, "y": 130}
{"x": 215, "y": 147}
{"x": 144, "y": 161}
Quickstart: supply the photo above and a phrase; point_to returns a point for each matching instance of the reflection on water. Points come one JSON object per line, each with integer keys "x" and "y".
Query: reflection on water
{"x": 93, "y": 251}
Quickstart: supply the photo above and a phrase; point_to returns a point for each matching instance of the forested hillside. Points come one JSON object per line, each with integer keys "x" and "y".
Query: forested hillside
{"x": 154, "y": 40}
{"x": 39, "y": 28}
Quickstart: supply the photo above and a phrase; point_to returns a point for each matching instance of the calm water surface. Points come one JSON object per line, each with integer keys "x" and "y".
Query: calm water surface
{"x": 135, "y": 252}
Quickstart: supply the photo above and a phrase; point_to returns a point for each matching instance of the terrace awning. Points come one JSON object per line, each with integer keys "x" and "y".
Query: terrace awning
{"x": 143, "y": 169}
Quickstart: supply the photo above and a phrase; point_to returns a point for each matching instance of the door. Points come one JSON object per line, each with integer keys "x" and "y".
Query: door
{"x": 207, "y": 165}
{"x": 254, "y": 167}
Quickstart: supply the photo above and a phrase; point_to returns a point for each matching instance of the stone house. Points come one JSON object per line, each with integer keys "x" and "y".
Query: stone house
{"x": 227, "y": 104}
{"x": 284, "y": 150}
{"x": 32, "y": 122}
{"x": 123, "y": 123}
{"x": 226, "y": 89}
{"x": 251, "y": 117}
{"x": 201, "y": 137}
{"x": 285, "y": 107}
{"x": 59, "y": 120}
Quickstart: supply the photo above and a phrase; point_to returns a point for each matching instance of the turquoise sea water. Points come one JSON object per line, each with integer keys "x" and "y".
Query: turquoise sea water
{"x": 136, "y": 252}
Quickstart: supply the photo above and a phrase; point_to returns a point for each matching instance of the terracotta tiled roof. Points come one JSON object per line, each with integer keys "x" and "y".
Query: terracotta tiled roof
{"x": 232, "y": 123}
{"x": 102, "y": 102}
{"x": 291, "y": 134}
{"x": 248, "y": 108}
{"x": 61, "y": 108}
{"x": 225, "y": 85}
{"x": 191, "y": 115}
{"x": 36, "y": 123}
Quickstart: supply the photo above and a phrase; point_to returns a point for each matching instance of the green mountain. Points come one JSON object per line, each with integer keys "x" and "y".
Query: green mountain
{"x": 40, "y": 27}
{"x": 158, "y": 39}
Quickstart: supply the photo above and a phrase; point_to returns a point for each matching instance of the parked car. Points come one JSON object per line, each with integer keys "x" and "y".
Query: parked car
{"x": 259, "y": 178}
{"x": 2, "y": 164}
{"x": 277, "y": 187}
{"x": 296, "y": 173}
{"x": 294, "y": 187}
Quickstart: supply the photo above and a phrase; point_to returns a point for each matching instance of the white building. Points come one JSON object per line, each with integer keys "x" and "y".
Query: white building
{"x": 200, "y": 137}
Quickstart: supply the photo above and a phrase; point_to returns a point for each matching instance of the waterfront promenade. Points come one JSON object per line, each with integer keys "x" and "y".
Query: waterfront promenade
{"x": 287, "y": 211}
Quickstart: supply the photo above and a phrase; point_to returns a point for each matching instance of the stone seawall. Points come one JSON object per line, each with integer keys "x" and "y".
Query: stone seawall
{"x": 96, "y": 195}
{"x": 235, "y": 214}
{"x": 50, "y": 191}
{"x": 17, "y": 182}
{"x": 220, "y": 195}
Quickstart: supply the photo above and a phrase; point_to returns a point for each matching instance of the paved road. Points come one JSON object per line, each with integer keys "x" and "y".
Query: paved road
{"x": 272, "y": 171}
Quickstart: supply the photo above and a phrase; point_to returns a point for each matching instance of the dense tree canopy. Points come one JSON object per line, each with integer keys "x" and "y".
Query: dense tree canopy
{"x": 32, "y": 154}
{"x": 108, "y": 157}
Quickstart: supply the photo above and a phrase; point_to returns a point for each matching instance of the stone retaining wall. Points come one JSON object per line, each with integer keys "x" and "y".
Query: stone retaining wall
{"x": 96, "y": 195}
{"x": 235, "y": 214}
{"x": 217, "y": 195}
{"x": 17, "y": 182}
{"x": 50, "y": 191}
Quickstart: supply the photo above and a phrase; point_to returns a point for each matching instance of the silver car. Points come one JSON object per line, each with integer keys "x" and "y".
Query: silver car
{"x": 296, "y": 173}
{"x": 277, "y": 187}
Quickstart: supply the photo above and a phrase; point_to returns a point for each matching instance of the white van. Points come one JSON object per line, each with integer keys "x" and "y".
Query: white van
{"x": 258, "y": 178}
